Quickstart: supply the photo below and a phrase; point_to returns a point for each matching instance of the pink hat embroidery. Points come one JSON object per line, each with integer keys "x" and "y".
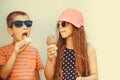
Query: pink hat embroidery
{"x": 72, "y": 16}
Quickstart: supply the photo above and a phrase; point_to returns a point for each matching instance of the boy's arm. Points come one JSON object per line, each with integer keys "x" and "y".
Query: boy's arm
{"x": 6, "y": 69}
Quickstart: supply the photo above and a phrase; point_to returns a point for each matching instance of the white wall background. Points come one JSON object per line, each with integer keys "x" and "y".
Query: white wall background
{"x": 101, "y": 22}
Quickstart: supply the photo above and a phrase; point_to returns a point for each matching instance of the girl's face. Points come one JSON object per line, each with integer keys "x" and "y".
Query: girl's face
{"x": 19, "y": 33}
{"x": 65, "y": 29}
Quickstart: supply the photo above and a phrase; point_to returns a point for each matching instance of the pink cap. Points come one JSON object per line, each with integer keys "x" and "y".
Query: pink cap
{"x": 72, "y": 16}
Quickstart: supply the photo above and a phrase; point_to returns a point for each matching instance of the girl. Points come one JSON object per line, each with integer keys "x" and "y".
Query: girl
{"x": 76, "y": 58}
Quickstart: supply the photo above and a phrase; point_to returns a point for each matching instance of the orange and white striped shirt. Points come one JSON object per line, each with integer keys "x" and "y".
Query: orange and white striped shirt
{"x": 25, "y": 65}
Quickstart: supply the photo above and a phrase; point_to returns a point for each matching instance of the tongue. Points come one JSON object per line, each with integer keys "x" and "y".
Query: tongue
{"x": 24, "y": 36}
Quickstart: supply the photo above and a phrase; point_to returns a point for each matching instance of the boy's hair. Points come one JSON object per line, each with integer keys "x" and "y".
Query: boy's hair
{"x": 12, "y": 15}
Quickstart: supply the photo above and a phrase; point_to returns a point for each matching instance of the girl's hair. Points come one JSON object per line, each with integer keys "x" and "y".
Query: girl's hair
{"x": 80, "y": 49}
{"x": 13, "y": 14}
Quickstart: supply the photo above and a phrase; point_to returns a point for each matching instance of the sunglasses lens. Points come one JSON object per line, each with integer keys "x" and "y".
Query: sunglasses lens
{"x": 58, "y": 25}
{"x": 28, "y": 23}
{"x": 18, "y": 23}
{"x": 63, "y": 24}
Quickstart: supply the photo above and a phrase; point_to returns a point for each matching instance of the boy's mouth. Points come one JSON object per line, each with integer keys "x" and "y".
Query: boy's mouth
{"x": 26, "y": 38}
{"x": 24, "y": 35}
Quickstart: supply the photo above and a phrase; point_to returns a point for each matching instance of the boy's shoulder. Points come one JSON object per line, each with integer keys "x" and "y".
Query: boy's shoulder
{"x": 8, "y": 46}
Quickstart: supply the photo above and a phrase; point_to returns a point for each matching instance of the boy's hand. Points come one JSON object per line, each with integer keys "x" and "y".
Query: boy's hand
{"x": 20, "y": 46}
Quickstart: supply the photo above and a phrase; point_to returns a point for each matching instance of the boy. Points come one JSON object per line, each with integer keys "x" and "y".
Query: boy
{"x": 19, "y": 60}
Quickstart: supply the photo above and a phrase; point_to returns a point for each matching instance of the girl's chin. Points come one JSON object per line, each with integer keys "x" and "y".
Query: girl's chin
{"x": 64, "y": 36}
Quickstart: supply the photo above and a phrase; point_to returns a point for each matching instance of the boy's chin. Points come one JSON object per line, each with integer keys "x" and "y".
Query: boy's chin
{"x": 18, "y": 40}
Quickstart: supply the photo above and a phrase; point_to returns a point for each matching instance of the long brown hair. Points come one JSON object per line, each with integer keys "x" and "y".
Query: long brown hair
{"x": 80, "y": 49}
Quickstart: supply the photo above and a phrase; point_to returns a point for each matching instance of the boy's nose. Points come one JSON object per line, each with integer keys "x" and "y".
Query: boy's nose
{"x": 24, "y": 26}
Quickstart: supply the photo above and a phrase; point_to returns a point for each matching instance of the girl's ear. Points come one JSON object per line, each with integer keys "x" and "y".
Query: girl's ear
{"x": 10, "y": 31}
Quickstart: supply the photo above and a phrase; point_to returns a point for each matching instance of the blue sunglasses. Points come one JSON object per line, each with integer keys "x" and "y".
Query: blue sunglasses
{"x": 19, "y": 23}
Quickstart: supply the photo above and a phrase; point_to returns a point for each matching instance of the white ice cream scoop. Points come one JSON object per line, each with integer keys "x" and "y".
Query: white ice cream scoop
{"x": 27, "y": 39}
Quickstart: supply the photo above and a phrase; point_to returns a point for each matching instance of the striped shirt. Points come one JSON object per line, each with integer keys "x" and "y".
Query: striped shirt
{"x": 25, "y": 65}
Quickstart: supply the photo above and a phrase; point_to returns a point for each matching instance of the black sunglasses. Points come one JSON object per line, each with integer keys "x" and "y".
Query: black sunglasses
{"x": 63, "y": 24}
{"x": 19, "y": 23}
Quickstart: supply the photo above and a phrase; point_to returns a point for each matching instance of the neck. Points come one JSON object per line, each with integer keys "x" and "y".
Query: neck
{"x": 69, "y": 43}
{"x": 14, "y": 42}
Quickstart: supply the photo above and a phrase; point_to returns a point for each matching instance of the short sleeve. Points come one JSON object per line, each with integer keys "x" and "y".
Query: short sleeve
{"x": 39, "y": 64}
{"x": 3, "y": 58}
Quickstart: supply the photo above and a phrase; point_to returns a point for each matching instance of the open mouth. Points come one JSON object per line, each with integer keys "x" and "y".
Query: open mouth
{"x": 24, "y": 35}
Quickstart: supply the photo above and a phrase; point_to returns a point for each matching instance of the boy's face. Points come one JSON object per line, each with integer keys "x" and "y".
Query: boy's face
{"x": 20, "y": 33}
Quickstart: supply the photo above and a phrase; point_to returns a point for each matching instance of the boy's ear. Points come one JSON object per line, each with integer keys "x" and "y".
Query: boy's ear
{"x": 10, "y": 31}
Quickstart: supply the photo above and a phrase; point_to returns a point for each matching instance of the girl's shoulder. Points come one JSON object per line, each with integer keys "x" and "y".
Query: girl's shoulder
{"x": 90, "y": 50}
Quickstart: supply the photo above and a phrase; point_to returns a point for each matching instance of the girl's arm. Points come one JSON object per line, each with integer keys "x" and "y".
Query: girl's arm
{"x": 37, "y": 75}
{"x": 92, "y": 65}
{"x": 50, "y": 63}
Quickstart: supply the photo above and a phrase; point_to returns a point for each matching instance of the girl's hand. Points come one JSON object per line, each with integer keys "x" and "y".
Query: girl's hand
{"x": 51, "y": 52}
{"x": 80, "y": 78}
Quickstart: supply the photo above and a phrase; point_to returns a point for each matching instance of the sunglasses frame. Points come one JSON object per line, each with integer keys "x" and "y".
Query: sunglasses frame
{"x": 23, "y": 22}
{"x": 63, "y": 24}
